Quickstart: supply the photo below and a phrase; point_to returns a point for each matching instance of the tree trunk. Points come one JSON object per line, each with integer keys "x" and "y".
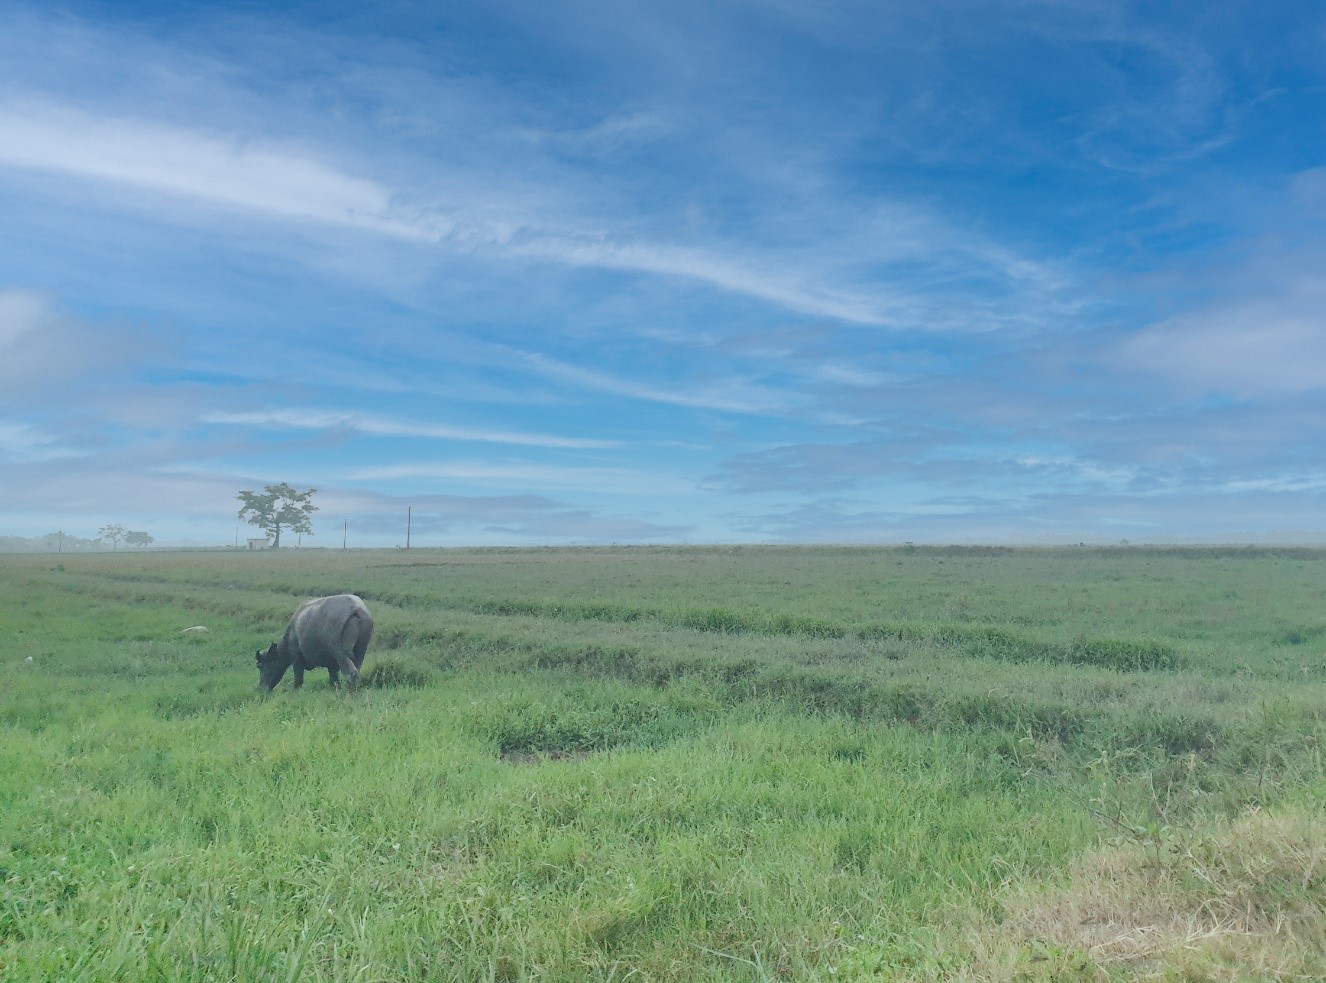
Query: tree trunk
{"x": 276, "y": 544}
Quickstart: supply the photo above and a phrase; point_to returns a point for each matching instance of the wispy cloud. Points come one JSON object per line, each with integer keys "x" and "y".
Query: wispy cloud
{"x": 1254, "y": 349}
{"x": 235, "y": 172}
{"x": 1172, "y": 111}
{"x": 22, "y": 312}
{"x": 253, "y": 175}
{"x": 43, "y": 348}
{"x": 24, "y": 442}
{"x": 730, "y": 395}
{"x": 315, "y": 419}
{"x": 525, "y": 475}
{"x": 778, "y": 283}
{"x": 227, "y": 171}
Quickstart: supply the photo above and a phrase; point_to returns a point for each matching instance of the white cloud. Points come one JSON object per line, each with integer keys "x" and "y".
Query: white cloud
{"x": 231, "y": 171}
{"x": 1070, "y": 467}
{"x": 1287, "y": 484}
{"x": 776, "y": 282}
{"x": 732, "y": 395}
{"x": 839, "y": 374}
{"x": 42, "y": 347}
{"x": 539, "y": 217}
{"x": 21, "y": 312}
{"x": 222, "y": 170}
{"x": 1255, "y": 349}
{"x": 24, "y": 442}
{"x": 384, "y": 427}
{"x": 527, "y": 476}
{"x": 609, "y": 135}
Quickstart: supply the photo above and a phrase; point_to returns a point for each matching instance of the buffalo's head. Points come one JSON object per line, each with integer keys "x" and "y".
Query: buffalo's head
{"x": 272, "y": 665}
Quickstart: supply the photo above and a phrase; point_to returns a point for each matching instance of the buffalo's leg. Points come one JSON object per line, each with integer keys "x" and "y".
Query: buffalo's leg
{"x": 299, "y": 676}
{"x": 334, "y": 677}
{"x": 347, "y": 666}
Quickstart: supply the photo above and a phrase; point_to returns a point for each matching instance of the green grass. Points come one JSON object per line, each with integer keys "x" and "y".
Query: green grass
{"x": 661, "y": 764}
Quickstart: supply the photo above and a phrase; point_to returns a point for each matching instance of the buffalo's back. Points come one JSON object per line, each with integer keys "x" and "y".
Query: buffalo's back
{"x": 319, "y": 625}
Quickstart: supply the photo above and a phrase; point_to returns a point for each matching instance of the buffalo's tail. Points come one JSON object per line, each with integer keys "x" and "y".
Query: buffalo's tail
{"x": 356, "y": 635}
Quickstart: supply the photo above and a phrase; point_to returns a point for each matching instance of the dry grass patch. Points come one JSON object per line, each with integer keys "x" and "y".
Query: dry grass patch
{"x": 1244, "y": 902}
{"x": 1251, "y": 896}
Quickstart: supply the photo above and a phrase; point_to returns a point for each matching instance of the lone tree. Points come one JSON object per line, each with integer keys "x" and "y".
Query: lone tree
{"x": 138, "y": 539}
{"x": 278, "y": 507}
{"x": 114, "y": 531}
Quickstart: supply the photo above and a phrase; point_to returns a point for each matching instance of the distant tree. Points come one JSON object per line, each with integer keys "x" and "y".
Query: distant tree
{"x": 137, "y": 539}
{"x": 278, "y": 507}
{"x": 114, "y": 531}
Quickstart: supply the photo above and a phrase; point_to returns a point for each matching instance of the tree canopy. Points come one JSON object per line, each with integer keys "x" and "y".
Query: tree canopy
{"x": 114, "y": 531}
{"x": 278, "y": 507}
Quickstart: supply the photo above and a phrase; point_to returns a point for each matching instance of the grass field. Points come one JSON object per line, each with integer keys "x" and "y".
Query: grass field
{"x": 686, "y": 764}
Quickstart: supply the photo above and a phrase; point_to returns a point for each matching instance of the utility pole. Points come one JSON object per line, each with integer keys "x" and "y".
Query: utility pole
{"x": 345, "y": 533}
{"x": 237, "y": 537}
{"x": 60, "y": 548}
{"x": 409, "y": 521}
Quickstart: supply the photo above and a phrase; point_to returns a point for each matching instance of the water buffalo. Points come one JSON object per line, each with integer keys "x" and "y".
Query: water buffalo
{"x": 329, "y": 633}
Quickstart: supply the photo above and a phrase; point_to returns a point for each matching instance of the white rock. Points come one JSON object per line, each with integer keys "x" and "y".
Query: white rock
{"x": 195, "y": 630}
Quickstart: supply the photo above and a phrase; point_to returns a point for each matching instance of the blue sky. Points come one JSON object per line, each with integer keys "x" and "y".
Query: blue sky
{"x": 757, "y": 270}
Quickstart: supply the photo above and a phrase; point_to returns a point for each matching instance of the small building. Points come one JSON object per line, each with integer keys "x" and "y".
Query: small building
{"x": 259, "y": 544}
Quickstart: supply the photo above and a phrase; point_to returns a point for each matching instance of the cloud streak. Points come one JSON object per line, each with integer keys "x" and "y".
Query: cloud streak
{"x": 219, "y": 170}
{"x": 374, "y": 426}
{"x": 732, "y": 395}
{"x": 249, "y": 175}
{"x": 525, "y": 475}
{"x": 1253, "y": 350}
{"x": 43, "y": 349}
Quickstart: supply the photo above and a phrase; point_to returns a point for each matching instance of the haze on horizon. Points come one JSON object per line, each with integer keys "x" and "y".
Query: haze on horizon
{"x": 733, "y": 270}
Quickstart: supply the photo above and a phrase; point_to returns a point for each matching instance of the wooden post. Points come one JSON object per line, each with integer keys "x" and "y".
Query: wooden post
{"x": 345, "y": 533}
{"x": 409, "y": 521}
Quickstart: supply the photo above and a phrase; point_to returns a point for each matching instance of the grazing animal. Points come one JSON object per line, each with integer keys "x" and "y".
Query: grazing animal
{"x": 329, "y": 633}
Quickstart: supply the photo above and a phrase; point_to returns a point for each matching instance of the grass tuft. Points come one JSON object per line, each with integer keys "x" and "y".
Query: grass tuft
{"x": 397, "y": 671}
